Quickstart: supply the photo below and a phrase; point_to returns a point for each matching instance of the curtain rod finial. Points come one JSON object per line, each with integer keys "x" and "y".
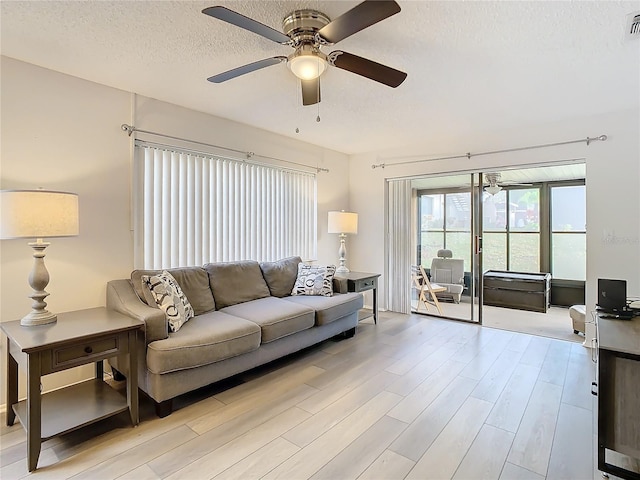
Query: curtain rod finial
{"x": 127, "y": 128}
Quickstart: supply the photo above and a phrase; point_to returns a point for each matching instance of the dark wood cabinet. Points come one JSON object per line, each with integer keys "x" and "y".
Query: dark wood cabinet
{"x": 618, "y": 391}
{"x": 521, "y": 290}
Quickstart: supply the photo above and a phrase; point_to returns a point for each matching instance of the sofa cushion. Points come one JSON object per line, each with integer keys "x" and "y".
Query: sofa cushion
{"x": 193, "y": 281}
{"x": 276, "y": 317}
{"x": 314, "y": 280}
{"x": 207, "y": 338}
{"x": 170, "y": 298}
{"x": 329, "y": 309}
{"x": 281, "y": 275}
{"x": 236, "y": 282}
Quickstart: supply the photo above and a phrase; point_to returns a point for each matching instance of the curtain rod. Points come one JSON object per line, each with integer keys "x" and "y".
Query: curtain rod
{"x": 587, "y": 140}
{"x": 131, "y": 129}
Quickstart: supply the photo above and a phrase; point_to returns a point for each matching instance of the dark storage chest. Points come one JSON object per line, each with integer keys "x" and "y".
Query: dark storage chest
{"x": 521, "y": 290}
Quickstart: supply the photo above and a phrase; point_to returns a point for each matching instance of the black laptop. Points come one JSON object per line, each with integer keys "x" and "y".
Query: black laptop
{"x": 612, "y": 296}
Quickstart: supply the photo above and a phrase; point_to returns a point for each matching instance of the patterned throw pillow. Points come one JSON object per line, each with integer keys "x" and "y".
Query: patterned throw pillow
{"x": 314, "y": 280}
{"x": 170, "y": 298}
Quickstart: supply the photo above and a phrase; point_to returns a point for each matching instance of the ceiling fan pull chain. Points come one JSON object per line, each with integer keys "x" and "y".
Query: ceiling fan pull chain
{"x": 297, "y": 103}
{"x": 318, "y": 104}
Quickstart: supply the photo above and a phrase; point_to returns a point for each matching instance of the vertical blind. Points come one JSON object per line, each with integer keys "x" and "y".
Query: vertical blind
{"x": 192, "y": 208}
{"x": 400, "y": 246}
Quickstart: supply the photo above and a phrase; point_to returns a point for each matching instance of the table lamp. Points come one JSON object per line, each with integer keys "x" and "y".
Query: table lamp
{"x": 343, "y": 223}
{"x": 38, "y": 214}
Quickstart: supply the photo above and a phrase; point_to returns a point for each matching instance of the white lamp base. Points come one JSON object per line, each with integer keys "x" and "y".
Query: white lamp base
{"x": 40, "y": 318}
{"x": 342, "y": 252}
{"x": 38, "y": 279}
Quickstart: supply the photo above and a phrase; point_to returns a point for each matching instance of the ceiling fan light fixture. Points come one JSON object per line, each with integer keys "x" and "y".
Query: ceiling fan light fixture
{"x": 307, "y": 64}
{"x": 493, "y": 189}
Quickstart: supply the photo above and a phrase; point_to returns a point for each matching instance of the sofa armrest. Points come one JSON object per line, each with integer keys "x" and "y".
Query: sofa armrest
{"x": 340, "y": 285}
{"x": 123, "y": 299}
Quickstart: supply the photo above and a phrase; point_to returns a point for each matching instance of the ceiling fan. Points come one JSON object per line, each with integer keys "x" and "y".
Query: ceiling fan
{"x": 307, "y": 31}
{"x": 493, "y": 178}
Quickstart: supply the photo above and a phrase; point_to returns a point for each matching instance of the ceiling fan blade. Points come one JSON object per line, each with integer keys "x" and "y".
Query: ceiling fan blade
{"x": 367, "y": 68}
{"x": 358, "y": 18}
{"x": 251, "y": 67}
{"x": 310, "y": 91}
{"x": 235, "y": 18}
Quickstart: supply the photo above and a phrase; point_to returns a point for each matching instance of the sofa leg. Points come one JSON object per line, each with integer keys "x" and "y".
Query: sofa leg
{"x": 117, "y": 376}
{"x": 350, "y": 333}
{"x": 164, "y": 408}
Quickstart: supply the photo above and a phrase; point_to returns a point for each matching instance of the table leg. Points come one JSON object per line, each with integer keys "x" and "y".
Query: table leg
{"x": 375, "y": 301}
{"x": 34, "y": 411}
{"x": 12, "y": 385}
{"x": 100, "y": 370}
{"x": 132, "y": 379}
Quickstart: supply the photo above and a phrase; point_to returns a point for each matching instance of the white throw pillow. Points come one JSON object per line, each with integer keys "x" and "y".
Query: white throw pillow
{"x": 170, "y": 298}
{"x": 314, "y": 280}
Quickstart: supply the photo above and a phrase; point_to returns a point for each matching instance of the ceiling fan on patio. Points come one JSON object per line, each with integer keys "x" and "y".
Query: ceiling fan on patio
{"x": 307, "y": 31}
{"x": 493, "y": 178}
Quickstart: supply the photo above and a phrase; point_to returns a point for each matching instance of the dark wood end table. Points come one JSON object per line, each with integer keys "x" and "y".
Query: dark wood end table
{"x": 77, "y": 338}
{"x": 361, "y": 282}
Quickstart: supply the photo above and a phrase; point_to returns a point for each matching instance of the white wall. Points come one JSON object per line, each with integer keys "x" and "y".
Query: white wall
{"x": 63, "y": 133}
{"x": 613, "y": 188}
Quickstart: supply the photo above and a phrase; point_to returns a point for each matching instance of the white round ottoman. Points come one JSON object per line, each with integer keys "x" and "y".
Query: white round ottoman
{"x": 577, "y": 314}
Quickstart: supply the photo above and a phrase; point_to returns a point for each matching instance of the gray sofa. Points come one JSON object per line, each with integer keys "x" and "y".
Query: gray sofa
{"x": 244, "y": 317}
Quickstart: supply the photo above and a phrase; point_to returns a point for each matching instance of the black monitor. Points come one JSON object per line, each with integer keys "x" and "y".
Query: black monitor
{"x": 612, "y": 295}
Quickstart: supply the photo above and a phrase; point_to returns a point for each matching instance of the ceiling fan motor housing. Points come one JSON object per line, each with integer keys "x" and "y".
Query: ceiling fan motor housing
{"x": 301, "y": 25}
{"x": 493, "y": 178}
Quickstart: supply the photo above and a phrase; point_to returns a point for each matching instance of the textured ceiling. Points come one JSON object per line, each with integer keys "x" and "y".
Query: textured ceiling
{"x": 472, "y": 66}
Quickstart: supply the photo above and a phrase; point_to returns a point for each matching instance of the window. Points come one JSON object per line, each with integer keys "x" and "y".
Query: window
{"x": 568, "y": 232}
{"x": 445, "y": 220}
{"x": 511, "y": 238}
{"x": 524, "y": 229}
{"x": 494, "y": 238}
{"x": 192, "y": 208}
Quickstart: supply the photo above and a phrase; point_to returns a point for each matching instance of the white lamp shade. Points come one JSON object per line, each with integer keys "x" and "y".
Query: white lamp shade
{"x": 38, "y": 214}
{"x": 343, "y": 222}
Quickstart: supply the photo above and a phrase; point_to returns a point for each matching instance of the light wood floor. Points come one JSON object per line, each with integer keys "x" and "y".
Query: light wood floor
{"x": 413, "y": 397}
{"x": 555, "y": 323}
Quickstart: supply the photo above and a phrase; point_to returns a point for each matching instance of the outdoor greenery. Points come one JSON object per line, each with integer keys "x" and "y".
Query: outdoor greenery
{"x": 512, "y": 228}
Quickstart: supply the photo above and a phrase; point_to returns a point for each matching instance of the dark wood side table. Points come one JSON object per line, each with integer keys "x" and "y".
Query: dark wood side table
{"x": 361, "y": 282}
{"x": 77, "y": 338}
{"x": 617, "y": 385}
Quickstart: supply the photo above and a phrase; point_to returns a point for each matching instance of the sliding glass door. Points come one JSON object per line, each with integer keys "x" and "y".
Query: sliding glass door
{"x": 529, "y": 220}
{"x": 447, "y": 248}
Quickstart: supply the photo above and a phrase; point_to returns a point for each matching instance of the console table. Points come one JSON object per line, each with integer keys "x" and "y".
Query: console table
{"x": 618, "y": 384}
{"x": 361, "y": 282}
{"x": 77, "y": 338}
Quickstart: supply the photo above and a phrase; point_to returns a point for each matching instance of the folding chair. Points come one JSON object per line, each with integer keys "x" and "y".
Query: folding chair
{"x": 426, "y": 290}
